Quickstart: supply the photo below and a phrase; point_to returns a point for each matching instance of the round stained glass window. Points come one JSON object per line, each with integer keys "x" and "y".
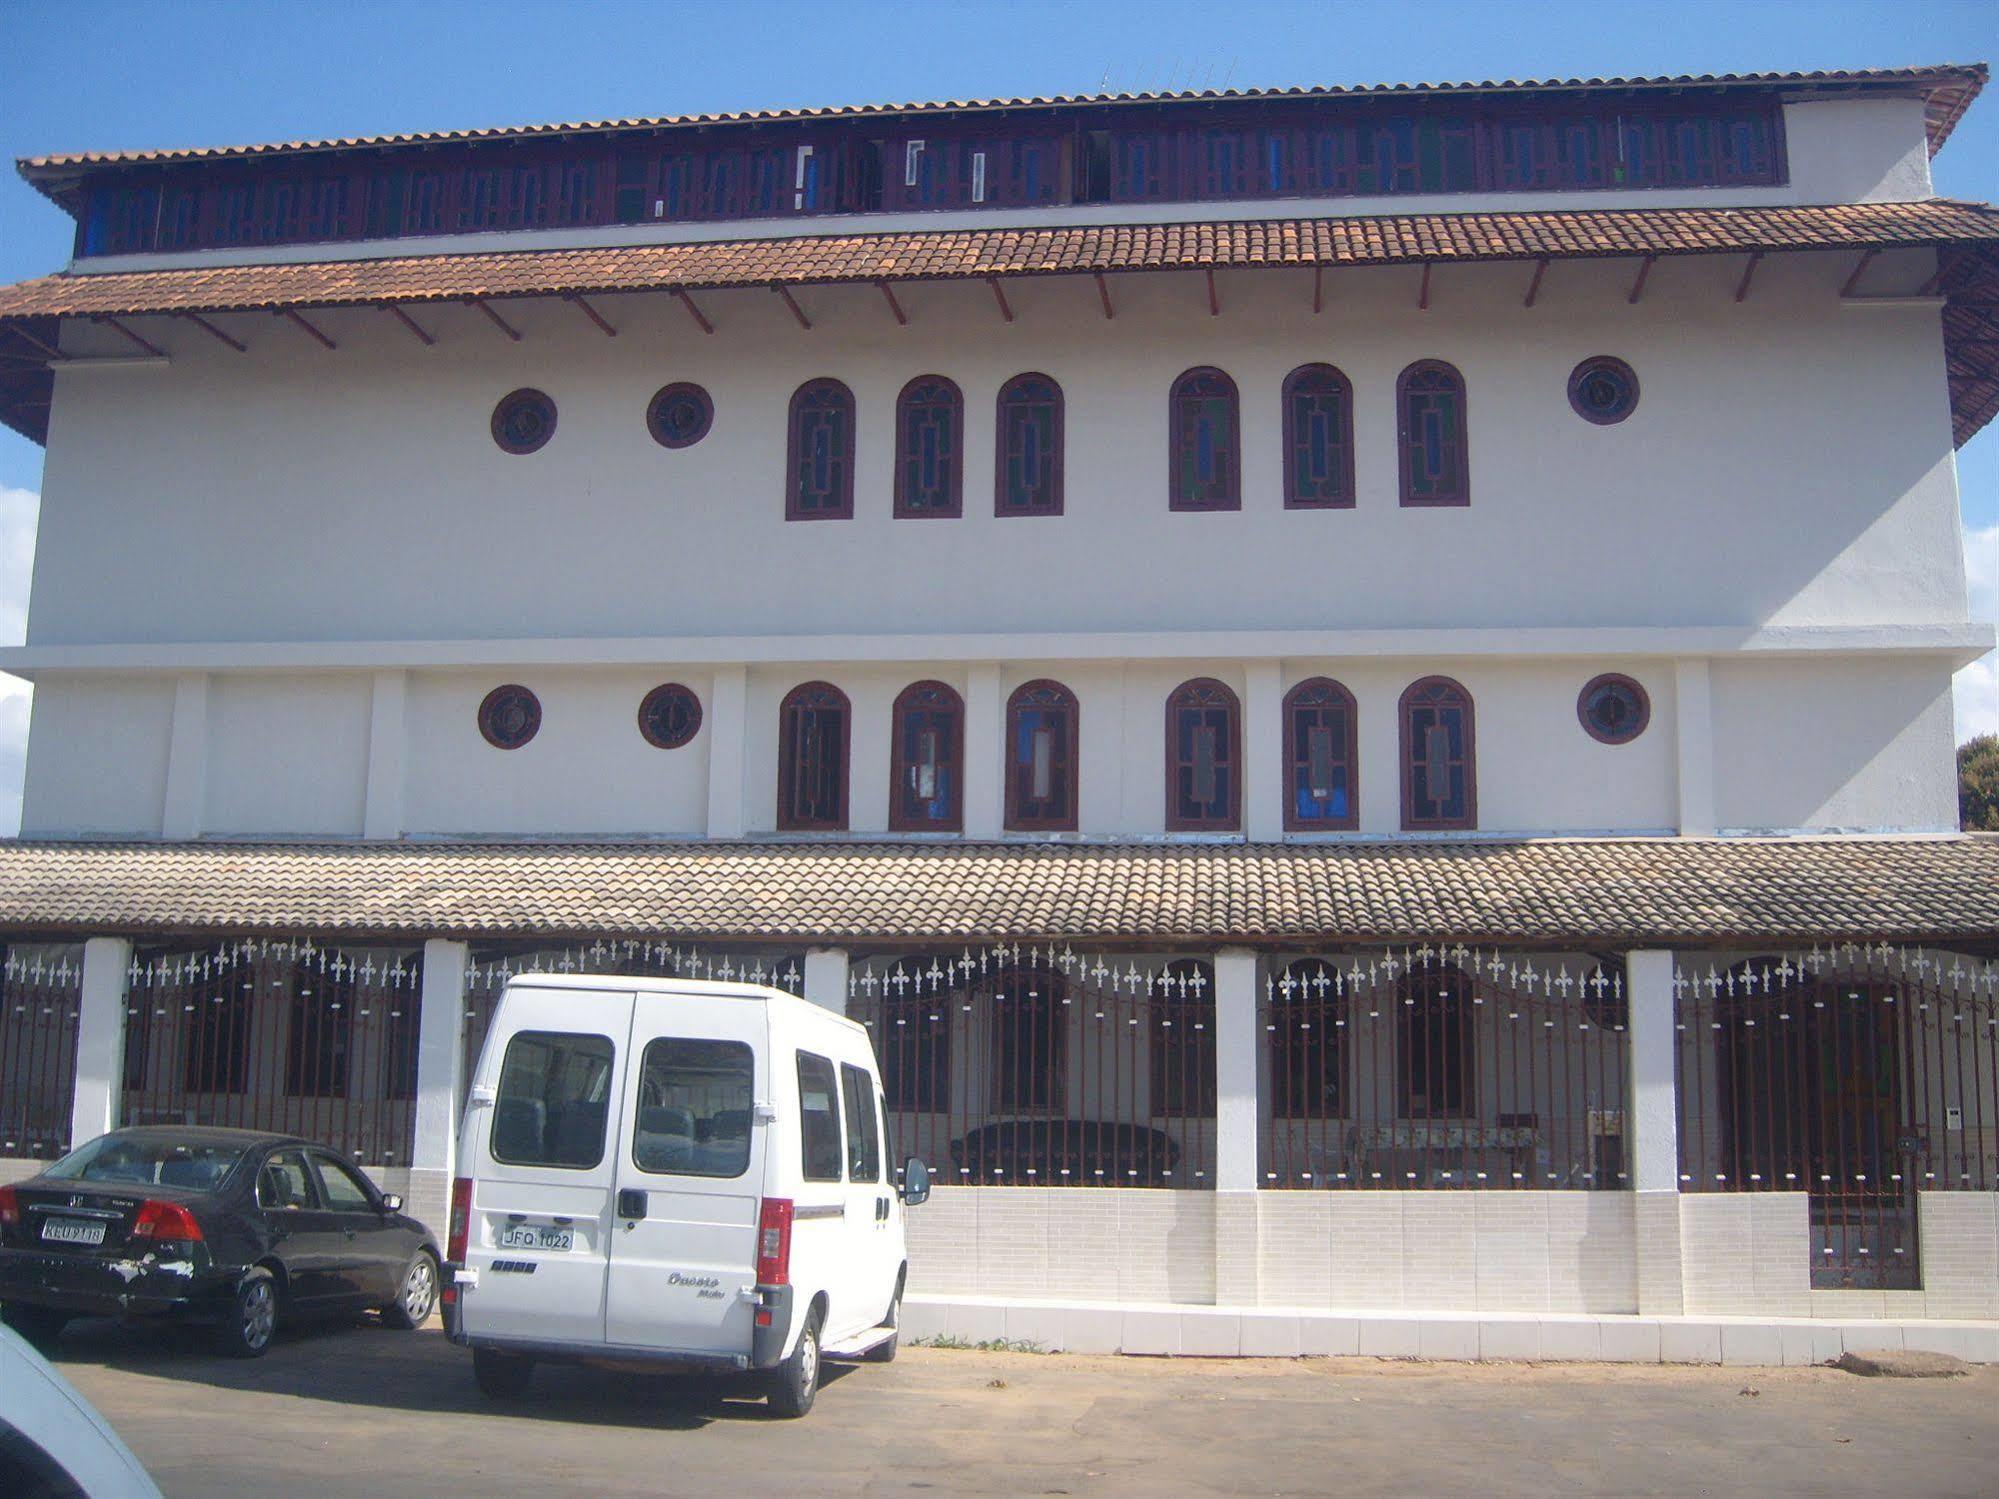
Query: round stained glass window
{"x": 679, "y": 415}
{"x": 509, "y": 716}
{"x": 523, "y": 421}
{"x": 1603, "y": 390}
{"x": 669, "y": 716}
{"x": 1614, "y": 709}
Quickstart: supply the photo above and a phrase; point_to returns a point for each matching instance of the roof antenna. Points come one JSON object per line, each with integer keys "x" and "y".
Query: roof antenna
{"x": 1228, "y": 75}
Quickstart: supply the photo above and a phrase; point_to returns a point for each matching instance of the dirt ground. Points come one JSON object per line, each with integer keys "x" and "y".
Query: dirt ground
{"x": 362, "y": 1410}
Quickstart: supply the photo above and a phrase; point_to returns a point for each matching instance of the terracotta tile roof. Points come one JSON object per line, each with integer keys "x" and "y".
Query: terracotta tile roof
{"x": 1604, "y": 891}
{"x": 1948, "y": 89}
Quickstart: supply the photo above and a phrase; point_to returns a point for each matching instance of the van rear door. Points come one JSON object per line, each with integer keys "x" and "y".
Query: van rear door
{"x": 543, "y": 1161}
{"x": 689, "y": 1175}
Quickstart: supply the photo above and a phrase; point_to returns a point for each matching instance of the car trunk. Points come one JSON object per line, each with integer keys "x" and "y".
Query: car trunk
{"x": 90, "y": 1218}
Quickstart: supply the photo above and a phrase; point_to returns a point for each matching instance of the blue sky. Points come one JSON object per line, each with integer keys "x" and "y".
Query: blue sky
{"x": 111, "y": 74}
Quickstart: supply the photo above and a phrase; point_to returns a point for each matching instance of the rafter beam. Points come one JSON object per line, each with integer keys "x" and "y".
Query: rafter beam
{"x": 888, "y": 296}
{"x": 146, "y": 344}
{"x": 292, "y": 315}
{"x": 700, "y": 318}
{"x": 1104, "y": 295}
{"x": 790, "y": 301}
{"x": 999, "y": 296}
{"x": 1748, "y": 274}
{"x": 214, "y": 332}
{"x": 28, "y": 338}
{"x": 409, "y": 322}
{"x": 576, "y": 299}
{"x": 1638, "y": 286}
{"x": 1214, "y": 297}
{"x": 1859, "y": 269}
{"x": 498, "y": 322}
{"x": 1423, "y": 295}
{"x": 1318, "y": 289}
{"x": 1534, "y": 286}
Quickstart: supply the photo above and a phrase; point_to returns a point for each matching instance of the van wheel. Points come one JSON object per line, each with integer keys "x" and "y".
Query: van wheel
{"x": 795, "y": 1381}
{"x": 418, "y": 1296}
{"x": 884, "y": 1351}
{"x": 501, "y": 1376}
{"x": 247, "y": 1327}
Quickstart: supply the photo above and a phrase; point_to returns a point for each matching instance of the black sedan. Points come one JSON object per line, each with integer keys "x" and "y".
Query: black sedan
{"x": 225, "y": 1226}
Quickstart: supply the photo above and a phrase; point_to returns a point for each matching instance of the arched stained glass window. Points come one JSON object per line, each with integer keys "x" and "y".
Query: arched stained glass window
{"x": 819, "y": 478}
{"x": 1321, "y": 793}
{"x": 929, "y": 448}
{"x": 1041, "y": 730}
{"x": 1205, "y": 448}
{"x": 928, "y": 756}
{"x": 1318, "y": 439}
{"x": 812, "y": 759}
{"x": 1203, "y": 758}
{"x": 1439, "y": 780}
{"x": 1430, "y": 425}
{"x": 1029, "y": 458}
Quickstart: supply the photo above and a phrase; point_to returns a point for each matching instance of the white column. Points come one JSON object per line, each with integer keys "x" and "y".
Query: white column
{"x": 383, "y": 815}
{"x": 187, "y": 759}
{"x": 726, "y": 746}
{"x": 1652, "y": 1141}
{"x": 100, "y": 1039}
{"x": 1236, "y": 1108}
{"x": 826, "y": 978}
{"x": 985, "y": 761}
{"x": 440, "y": 1030}
{"x": 1262, "y": 751}
{"x": 1694, "y": 717}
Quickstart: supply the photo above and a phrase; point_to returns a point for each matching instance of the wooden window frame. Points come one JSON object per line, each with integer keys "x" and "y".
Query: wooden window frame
{"x": 1607, "y": 679}
{"x": 1178, "y": 821}
{"x": 1293, "y": 765}
{"x": 1410, "y": 822}
{"x": 1462, "y": 496}
{"x": 953, "y": 750}
{"x": 790, "y": 712}
{"x": 1432, "y": 1011}
{"x": 1344, "y": 499}
{"x": 1003, "y": 405}
{"x": 1016, "y": 821}
{"x": 844, "y": 486}
{"x": 906, "y": 407}
{"x": 1295, "y": 1042}
{"x": 1030, "y": 1080}
{"x": 1176, "y": 433}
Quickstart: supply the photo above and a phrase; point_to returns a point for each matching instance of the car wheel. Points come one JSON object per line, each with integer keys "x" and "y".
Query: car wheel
{"x": 418, "y": 1297}
{"x": 795, "y": 1382}
{"x": 501, "y": 1376}
{"x": 40, "y": 1326}
{"x": 884, "y": 1351}
{"x": 251, "y": 1322}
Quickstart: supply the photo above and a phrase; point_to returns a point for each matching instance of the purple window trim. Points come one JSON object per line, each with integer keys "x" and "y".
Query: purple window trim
{"x": 1607, "y": 679}
{"x": 1336, "y": 696}
{"x": 1611, "y": 365}
{"x": 1013, "y": 398}
{"x": 526, "y": 400}
{"x": 1200, "y": 695}
{"x": 812, "y": 698}
{"x": 932, "y": 404}
{"x": 1427, "y": 686}
{"x": 933, "y": 698}
{"x": 820, "y": 398}
{"x": 495, "y": 702}
{"x": 1331, "y": 382}
{"x": 1428, "y": 369}
{"x": 1043, "y": 695}
{"x": 690, "y": 724}
{"x": 669, "y": 396}
{"x": 1201, "y": 384}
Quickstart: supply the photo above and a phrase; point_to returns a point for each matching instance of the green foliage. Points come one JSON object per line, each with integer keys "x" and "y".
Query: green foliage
{"x": 989, "y": 1345}
{"x": 1978, "y": 784}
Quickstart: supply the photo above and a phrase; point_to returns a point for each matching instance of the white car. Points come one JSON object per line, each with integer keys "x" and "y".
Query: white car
{"x": 683, "y": 1175}
{"x": 52, "y": 1444}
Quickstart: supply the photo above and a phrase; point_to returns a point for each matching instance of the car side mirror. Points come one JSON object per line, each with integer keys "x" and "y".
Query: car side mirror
{"x": 915, "y": 1182}
{"x": 392, "y": 1202}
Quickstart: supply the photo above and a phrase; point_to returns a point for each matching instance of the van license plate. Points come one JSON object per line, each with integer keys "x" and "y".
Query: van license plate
{"x": 72, "y": 1231}
{"x": 534, "y": 1236}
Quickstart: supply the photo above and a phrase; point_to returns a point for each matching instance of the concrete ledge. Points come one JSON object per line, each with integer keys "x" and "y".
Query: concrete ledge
{"x": 1288, "y": 1332}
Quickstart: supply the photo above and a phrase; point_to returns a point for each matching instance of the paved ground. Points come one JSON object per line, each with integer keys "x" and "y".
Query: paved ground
{"x": 365, "y": 1411}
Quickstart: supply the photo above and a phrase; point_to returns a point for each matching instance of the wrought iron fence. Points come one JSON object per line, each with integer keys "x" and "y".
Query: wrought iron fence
{"x": 290, "y": 1034}
{"x": 41, "y": 985}
{"x": 1444, "y": 1068}
{"x": 1038, "y": 1066}
{"x": 1858, "y": 1075}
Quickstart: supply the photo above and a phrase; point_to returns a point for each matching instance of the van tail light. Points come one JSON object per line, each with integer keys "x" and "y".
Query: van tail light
{"x": 774, "y": 1242}
{"x": 10, "y": 1208}
{"x": 459, "y": 1231}
{"x": 165, "y": 1220}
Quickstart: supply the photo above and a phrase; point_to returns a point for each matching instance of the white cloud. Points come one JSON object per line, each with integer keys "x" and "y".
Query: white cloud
{"x": 1976, "y": 688}
{"x": 19, "y": 509}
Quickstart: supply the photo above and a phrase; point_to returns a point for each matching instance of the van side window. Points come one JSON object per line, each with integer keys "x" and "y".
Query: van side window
{"x": 864, "y": 1146}
{"x": 554, "y": 1097}
{"x": 818, "y": 1118}
{"x": 693, "y": 1108}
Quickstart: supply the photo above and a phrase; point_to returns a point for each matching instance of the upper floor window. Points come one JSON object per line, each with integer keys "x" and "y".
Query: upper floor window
{"x": 929, "y": 448}
{"x": 1319, "y": 758}
{"x": 812, "y": 759}
{"x": 928, "y": 794}
{"x": 820, "y": 466}
{"x": 1203, "y": 758}
{"x": 1439, "y": 785}
{"x": 1430, "y": 427}
{"x": 1041, "y": 726}
{"x": 1204, "y": 449}
{"x": 1029, "y": 443}
{"x": 1318, "y": 439}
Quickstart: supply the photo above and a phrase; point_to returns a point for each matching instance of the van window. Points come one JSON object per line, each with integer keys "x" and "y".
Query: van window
{"x": 555, "y": 1089}
{"x": 818, "y": 1118}
{"x": 864, "y": 1152}
{"x": 694, "y": 1108}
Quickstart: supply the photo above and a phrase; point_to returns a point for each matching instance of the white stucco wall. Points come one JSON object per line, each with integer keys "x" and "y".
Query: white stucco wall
{"x": 286, "y": 754}
{"x": 1857, "y": 151}
{"x": 97, "y": 755}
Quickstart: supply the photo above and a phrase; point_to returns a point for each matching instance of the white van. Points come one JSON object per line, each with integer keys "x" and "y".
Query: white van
{"x": 674, "y": 1174}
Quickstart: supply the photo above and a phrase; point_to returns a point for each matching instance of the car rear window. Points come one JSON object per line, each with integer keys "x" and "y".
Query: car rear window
{"x": 554, "y": 1096}
{"x": 694, "y": 1108}
{"x": 864, "y": 1156}
{"x": 148, "y": 1162}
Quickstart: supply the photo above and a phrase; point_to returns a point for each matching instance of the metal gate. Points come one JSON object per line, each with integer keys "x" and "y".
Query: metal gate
{"x": 41, "y": 986}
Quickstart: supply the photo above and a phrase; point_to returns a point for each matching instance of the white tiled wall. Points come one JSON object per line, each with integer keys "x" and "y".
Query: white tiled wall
{"x": 1113, "y": 1244}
